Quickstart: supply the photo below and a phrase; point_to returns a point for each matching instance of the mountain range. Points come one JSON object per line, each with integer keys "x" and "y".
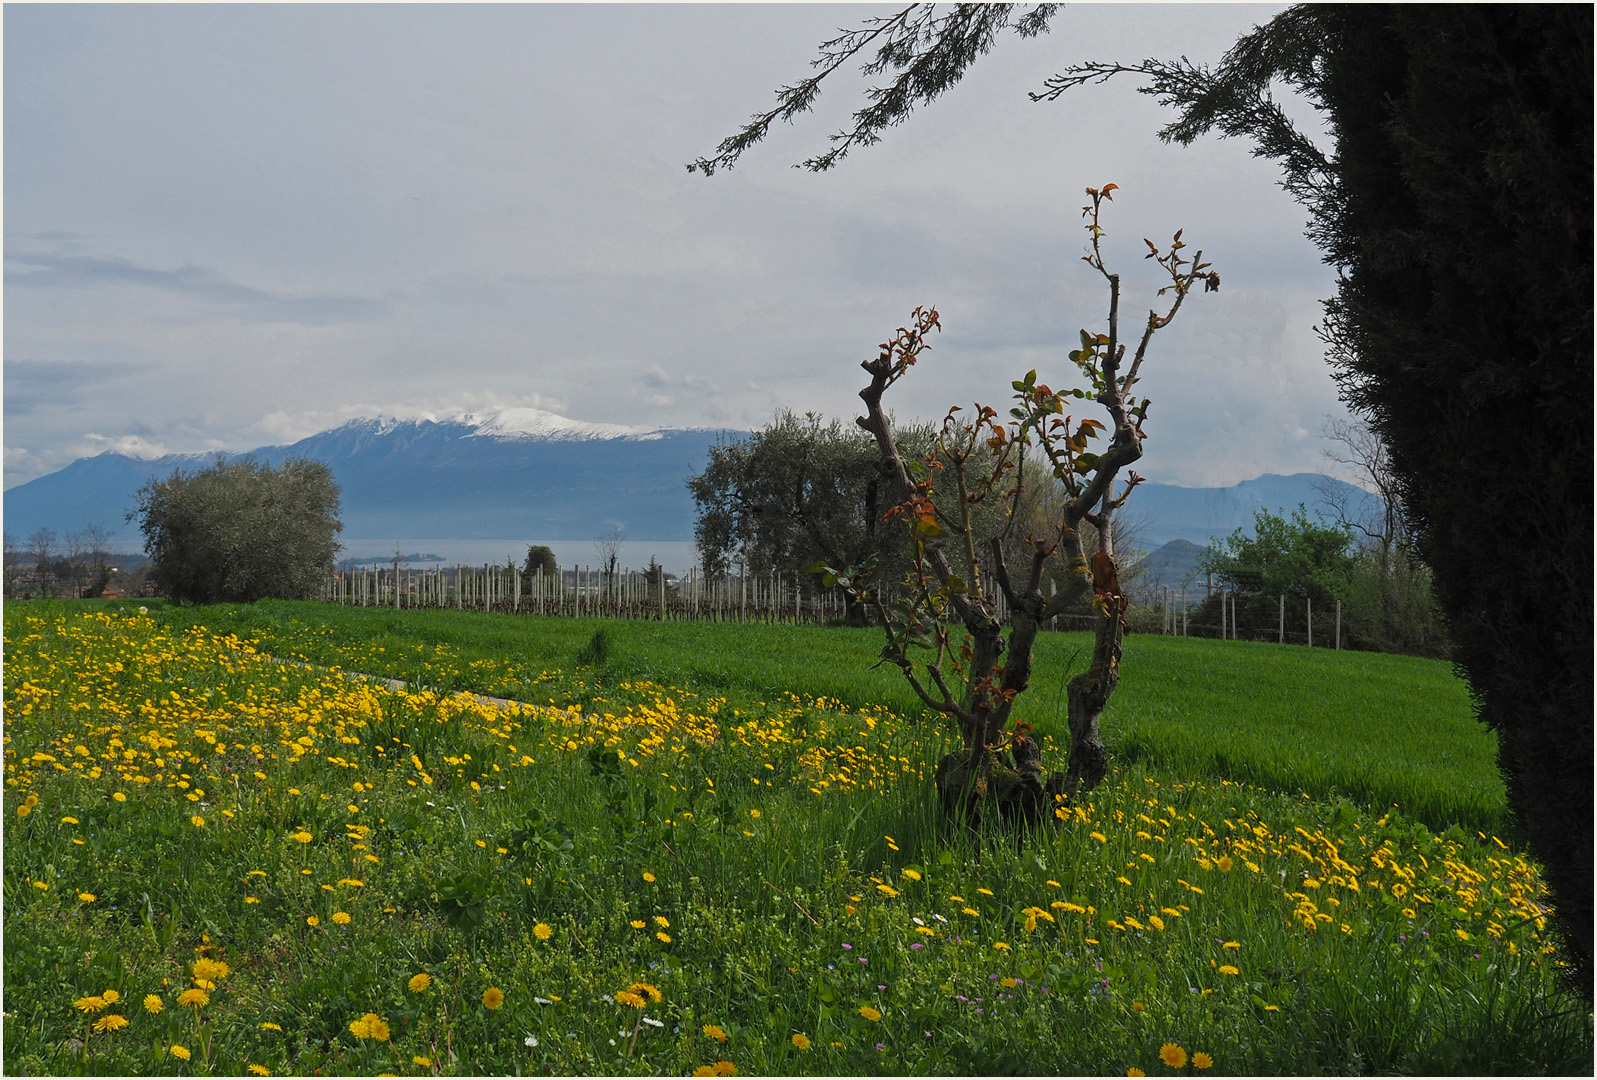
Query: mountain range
{"x": 528, "y": 473}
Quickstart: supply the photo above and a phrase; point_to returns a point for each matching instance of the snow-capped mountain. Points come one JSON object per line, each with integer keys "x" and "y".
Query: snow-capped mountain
{"x": 533, "y": 474}
{"x": 520, "y": 472}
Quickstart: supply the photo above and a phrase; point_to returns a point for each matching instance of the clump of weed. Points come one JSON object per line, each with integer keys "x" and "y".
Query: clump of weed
{"x": 596, "y": 651}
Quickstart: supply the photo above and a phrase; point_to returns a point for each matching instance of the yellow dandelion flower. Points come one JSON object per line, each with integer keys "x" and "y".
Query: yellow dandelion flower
{"x": 69, "y": 821}
{"x": 424, "y": 1062}
{"x": 119, "y": 796}
{"x": 1008, "y": 983}
{"x": 723, "y": 1068}
{"x": 206, "y": 968}
{"x": 638, "y": 924}
{"x": 1137, "y": 1006}
{"x": 1172, "y": 1055}
{"x": 376, "y": 1027}
{"x": 801, "y": 1041}
{"x": 269, "y": 1026}
{"x": 359, "y": 1029}
{"x": 1408, "y": 913}
{"x": 1001, "y": 945}
{"x": 493, "y": 997}
{"x": 1100, "y": 837}
{"x": 649, "y": 989}
{"x": 714, "y": 1031}
{"x": 661, "y": 920}
{"x": 1232, "y": 945}
{"x": 252, "y": 899}
{"x": 970, "y": 911}
{"x": 197, "y": 821}
{"x": 888, "y": 889}
{"x": 1200, "y": 1060}
{"x": 627, "y": 997}
{"x": 420, "y": 982}
{"x": 302, "y": 836}
{"x": 1134, "y": 1071}
{"x": 543, "y": 931}
{"x": 311, "y": 920}
{"x": 110, "y": 1022}
{"x": 663, "y": 936}
{"x": 195, "y": 998}
{"x": 179, "y": 1051}
{"x": 111, "y": 997}
{"x": 647, "y": 876}
{"x": 913, "y": 875}
{"x": 153, "y": 1003}
{"x": 869, "y": 1013}
{"x": 341, "y": 918}
{"x": 260, "y": 1070}
{"x": 1228, "y": 969}
{"x": 1156, "y": 922}
{"x": 1224, "y": 864}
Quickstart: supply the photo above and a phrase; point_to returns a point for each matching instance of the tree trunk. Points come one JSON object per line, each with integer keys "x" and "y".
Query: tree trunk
{"x": 1088, "y": 694}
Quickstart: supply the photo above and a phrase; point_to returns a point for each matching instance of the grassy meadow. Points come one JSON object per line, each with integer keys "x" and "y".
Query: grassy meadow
{"x": 701, "y": 848}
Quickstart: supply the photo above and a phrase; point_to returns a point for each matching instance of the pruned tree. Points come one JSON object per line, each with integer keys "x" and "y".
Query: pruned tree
{"x": 13, "y": 562}
{"x": 42, "y": 548}
{"x": 963, "y": 626}
{"x": 96, "y": 541}
{"x": 608, "y": 548}
{"x": 1391, "y": 602}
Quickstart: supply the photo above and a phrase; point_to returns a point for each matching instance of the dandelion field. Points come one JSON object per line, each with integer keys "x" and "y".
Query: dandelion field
{"x": 226, "y": 855}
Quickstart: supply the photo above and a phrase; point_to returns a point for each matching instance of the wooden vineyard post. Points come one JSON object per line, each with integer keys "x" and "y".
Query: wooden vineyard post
{"x": 1281, "y": 632}
{"x": 1339, "y": 623}
{"x": 1311, "y": 621}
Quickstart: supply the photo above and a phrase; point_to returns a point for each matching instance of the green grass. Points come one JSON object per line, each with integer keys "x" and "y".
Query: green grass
{"x": 1379, "y": 730}
{"x": 769, "y": 806}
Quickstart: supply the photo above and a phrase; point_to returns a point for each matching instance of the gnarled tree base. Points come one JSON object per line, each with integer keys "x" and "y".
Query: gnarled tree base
{"x": 975, "y": 787}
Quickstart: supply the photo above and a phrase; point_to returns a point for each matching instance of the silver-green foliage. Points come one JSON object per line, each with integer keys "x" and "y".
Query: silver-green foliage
{"x": 241, "y": 530}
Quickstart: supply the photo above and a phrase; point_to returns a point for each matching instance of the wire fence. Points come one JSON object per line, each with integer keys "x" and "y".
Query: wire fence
{"x": 592, "y": 592}
{"x": 1296, "y": 623}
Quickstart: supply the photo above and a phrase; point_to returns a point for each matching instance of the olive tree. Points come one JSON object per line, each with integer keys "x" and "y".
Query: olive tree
{"x": 241, "y": 531}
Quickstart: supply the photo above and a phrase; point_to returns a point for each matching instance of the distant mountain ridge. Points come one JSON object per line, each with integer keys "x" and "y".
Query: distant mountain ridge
{"x": 532, "y": 474}
{"x": 516, "y": 473}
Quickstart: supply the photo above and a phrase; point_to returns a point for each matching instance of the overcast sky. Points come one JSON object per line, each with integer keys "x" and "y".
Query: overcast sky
{"x": 233, "y": 226}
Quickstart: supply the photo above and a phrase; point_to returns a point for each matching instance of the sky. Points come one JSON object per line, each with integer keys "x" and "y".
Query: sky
{"x": 235, "y": 226}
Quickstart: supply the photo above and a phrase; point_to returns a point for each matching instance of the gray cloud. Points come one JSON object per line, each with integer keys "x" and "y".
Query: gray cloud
{"x": 31, "y": 385}
{"x": 280, "y": 213}
{"x": 71, "y": 270}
